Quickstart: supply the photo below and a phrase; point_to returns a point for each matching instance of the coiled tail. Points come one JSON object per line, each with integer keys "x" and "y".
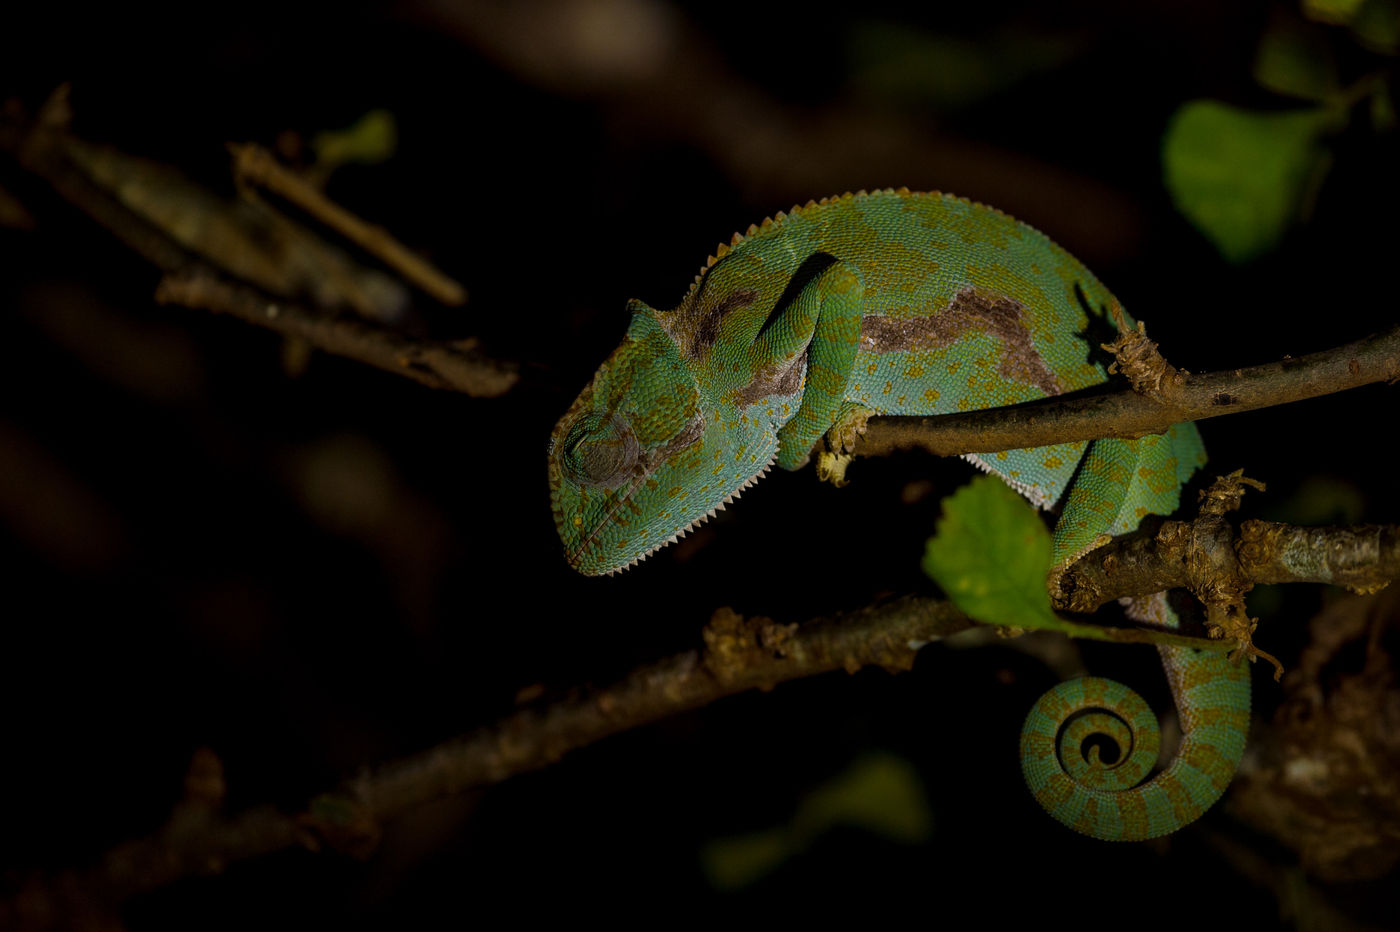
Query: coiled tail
{"x": 1088, "y": 743}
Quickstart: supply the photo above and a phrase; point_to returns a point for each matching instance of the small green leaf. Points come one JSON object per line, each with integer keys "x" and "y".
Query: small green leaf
{"x": 371, "y": 139}
{"x": 1336, "y": 12}
{"x": 990, "y": 554}
{"x": 1383, "y": 116}
{"x": 879, "y": 792}
{"x": 895, "y": 62}
{"x": 1296, "y": 62}
{"x": 1377, "y": 26}
{"x": 1321, "y": 500}
{"x": 737, "y": 861}
{"x": 1242, "y": 176}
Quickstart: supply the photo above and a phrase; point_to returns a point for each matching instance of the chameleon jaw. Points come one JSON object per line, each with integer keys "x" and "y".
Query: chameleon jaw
{"x": 674, "y": 538}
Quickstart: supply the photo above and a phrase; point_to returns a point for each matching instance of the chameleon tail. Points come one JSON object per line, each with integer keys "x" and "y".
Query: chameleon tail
{"x": 1067, "y": 732}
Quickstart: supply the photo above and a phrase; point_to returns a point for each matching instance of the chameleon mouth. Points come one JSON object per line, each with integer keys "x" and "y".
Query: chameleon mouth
{"x": 674, "y": 538}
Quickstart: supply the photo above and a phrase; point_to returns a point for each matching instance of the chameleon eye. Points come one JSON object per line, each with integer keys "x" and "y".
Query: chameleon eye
{"x": 600, "y": 451}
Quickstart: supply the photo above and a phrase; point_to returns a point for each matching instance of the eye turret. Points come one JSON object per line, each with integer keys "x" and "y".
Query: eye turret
{"x": 599, "y": 450}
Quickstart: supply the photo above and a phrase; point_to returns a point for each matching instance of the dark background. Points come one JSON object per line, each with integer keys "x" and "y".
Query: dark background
{"x": 310, "y": 574}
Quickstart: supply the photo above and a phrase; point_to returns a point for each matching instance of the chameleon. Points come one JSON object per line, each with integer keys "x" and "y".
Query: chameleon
{"x": 902, "y": 303}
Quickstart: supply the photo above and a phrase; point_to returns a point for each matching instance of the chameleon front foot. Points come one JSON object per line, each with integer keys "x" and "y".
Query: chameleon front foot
{"x": 831, "y": 467}
{"x": 841, "y": 439}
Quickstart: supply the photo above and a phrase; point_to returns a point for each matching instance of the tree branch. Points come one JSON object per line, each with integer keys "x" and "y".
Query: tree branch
{"x": 456, "y": 365}
{"x": 1125, "y": 413}
{"x": 271, "y": 272}
{"x": 739, "y": 654}
{"x": 253, "y": 164}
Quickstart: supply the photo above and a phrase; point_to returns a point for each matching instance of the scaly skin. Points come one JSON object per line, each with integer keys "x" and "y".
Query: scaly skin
{"x": 893, "y": 303}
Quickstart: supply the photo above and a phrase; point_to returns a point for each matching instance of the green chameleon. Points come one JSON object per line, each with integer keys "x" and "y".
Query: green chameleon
{"x": 906, "y": 304}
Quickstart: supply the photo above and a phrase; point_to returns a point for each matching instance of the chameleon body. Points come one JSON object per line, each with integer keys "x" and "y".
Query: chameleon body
{"x": 915, "y": 304}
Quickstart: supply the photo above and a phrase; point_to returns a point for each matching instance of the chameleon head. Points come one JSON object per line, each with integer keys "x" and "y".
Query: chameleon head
{"x": 652, "y": 447}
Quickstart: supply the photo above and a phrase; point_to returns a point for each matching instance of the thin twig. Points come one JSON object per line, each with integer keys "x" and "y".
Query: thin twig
{"x": 456, "y": 365}
{"x": 254, "y": 164}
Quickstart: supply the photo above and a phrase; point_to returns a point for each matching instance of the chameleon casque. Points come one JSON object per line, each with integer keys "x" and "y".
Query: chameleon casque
{"x": 915, "y": 304}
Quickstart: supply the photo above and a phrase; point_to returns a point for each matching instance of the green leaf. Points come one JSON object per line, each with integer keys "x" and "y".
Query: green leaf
{"x": 879, "y": 792}
{"x": 1377, "y": 26}
{"x": 1336, "y": 12}
{"x": 371, "y": 139}
{"x": 1296, "y": 62}
{"x": 990, "y": 554}
{"x": 1242, "y": 176}
{"x": 895, "y": 62}
{"x": 1383, "y": 116}
{"x": 740, "y": 860}
{"x": 1321, "y": 500}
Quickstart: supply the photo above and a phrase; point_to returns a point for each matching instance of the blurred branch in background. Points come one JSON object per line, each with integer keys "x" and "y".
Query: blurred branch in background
{"x": 254, "y": 165}
{"x": 455, "y": 365}
{"x": 244, "y": 258}
{"x": 1324, "y": 780}
{"x": 639, "y": 57}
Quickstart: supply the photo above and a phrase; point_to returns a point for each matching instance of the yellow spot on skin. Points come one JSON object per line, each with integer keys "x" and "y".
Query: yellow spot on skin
{"x": 930, "y": 395}
{"x": 1001, "y": 455}
{"x": 1141, "y": 512}
{"x": 855, "y": 387}
{"x": 870, "y": 369}
{"x": 900, "y": 400}
{"x": 673, "y": 491}
{"x": 915, "y": 371}
{"x": 1053, "y": 462}
{"x": 578, "y": 520}
{"x": 954, "y": 366}
{"x": 889, "y": 387}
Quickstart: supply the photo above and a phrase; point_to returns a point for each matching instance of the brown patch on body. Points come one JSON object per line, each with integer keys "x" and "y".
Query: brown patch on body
{"x": 784, "y": 379}
{"x": 710, "y": 319}
{"x": 971, "y": 310}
